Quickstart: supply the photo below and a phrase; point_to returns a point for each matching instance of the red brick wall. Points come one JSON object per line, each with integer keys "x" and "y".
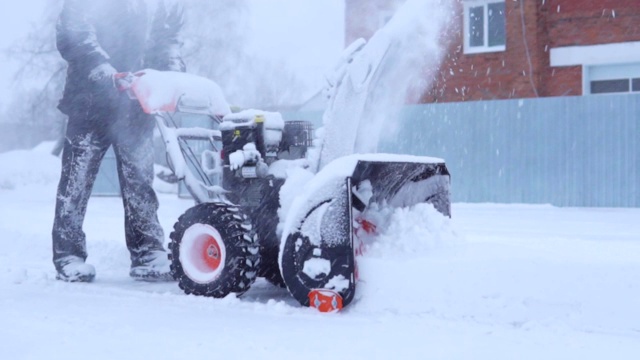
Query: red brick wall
{"x": 513, "y": 73}
{"x": 498, "y": 75}
{"x": 579, "y": 22}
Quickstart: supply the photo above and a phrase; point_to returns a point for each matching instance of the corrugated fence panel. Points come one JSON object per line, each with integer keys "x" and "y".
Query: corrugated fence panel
{"x": 107, "y": 183}
{"x": 565, "y": 151}
{"x": 313, "y": 116}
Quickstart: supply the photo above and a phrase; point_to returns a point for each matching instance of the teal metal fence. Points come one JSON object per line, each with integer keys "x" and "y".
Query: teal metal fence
{"x": 565, "y": 151}
{"x": 107, "y": 183}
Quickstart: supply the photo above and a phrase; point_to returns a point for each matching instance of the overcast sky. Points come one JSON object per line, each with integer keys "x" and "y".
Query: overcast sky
{"x": 307, "y": 34}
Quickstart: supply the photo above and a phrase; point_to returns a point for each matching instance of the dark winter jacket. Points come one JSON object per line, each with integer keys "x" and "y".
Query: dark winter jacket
{"x": 130, "y": 35}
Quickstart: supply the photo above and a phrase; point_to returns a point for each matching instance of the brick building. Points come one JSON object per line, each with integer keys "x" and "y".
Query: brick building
{"x": 502, "y": 49}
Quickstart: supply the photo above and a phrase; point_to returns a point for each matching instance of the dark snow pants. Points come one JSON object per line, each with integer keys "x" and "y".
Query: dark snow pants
{"x": 91, "y": 129}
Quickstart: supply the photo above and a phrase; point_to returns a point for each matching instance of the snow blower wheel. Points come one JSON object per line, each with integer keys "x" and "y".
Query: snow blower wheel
{"x": 213, "y": 251}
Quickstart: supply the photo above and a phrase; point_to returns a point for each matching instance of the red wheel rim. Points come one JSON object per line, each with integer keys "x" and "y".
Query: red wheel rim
{"x": 211, "y": 253}
{"x": 202, "y": 253}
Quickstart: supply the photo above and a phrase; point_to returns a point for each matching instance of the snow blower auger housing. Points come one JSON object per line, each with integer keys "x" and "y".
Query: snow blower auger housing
{"x": 235, "y": 233}
{"x": 328, "y": 225}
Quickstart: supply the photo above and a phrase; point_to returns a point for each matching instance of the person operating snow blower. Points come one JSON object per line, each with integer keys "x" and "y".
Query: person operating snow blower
{"x": 98, "y": 39}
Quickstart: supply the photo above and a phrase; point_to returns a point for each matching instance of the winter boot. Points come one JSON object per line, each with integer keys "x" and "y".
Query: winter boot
{"x": 74, "y": 269}
{"x": 151, "y": 266}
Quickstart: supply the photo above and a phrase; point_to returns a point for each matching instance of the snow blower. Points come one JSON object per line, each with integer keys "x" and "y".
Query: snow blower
{"x": 234, "y": 233}
{"x": 275, "y": 201}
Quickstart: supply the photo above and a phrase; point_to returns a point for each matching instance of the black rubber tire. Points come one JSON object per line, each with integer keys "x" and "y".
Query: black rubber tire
{"x": 297, "y": 250}
{"x": 335, "y": 245}
{"x": 265, "y": 222}
{"x": 242, "y": 252}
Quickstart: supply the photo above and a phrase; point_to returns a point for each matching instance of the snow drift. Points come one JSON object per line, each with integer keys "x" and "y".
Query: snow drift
{"x": 494, "y": 282}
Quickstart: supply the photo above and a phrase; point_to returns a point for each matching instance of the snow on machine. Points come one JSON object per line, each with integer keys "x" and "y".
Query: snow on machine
{"x": 232, "y": 235}
{"x": 256, "y": 216}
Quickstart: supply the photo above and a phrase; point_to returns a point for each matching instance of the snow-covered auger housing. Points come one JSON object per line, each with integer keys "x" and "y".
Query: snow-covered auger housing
{"x": 346, "y": 201}
{"x": 328, "y": 224}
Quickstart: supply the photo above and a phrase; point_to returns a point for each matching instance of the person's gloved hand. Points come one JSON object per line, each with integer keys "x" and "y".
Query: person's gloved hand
{"x": 124, "y": 81}
{"x": 248, "y": 154}
{"x": 102, "y": 80}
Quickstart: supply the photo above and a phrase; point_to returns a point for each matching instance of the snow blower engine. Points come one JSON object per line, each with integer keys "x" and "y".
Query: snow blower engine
{"x": 252, "y": 144}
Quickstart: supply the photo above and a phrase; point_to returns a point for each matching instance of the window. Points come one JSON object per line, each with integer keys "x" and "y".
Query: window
{"x": 484, "y": 26}
{"x": 609, "y": 86}
{"x": 615, "y": 86}
{"x": 611, "y": 79}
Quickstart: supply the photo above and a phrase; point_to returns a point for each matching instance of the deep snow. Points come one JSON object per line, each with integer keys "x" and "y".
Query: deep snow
{"x": 494, "y": 282}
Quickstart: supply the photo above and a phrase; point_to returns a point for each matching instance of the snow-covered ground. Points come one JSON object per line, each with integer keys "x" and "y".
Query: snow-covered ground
{"x": 494, "y": 282}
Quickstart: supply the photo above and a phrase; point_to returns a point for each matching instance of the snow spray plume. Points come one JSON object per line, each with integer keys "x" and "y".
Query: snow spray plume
{"x": 216, "y": 47}
{"x": 372, "y": 82}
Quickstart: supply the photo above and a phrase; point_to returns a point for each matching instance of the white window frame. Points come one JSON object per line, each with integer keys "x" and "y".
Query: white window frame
{"x": 468, "y": 49}
{"x": 627, "y": 72}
